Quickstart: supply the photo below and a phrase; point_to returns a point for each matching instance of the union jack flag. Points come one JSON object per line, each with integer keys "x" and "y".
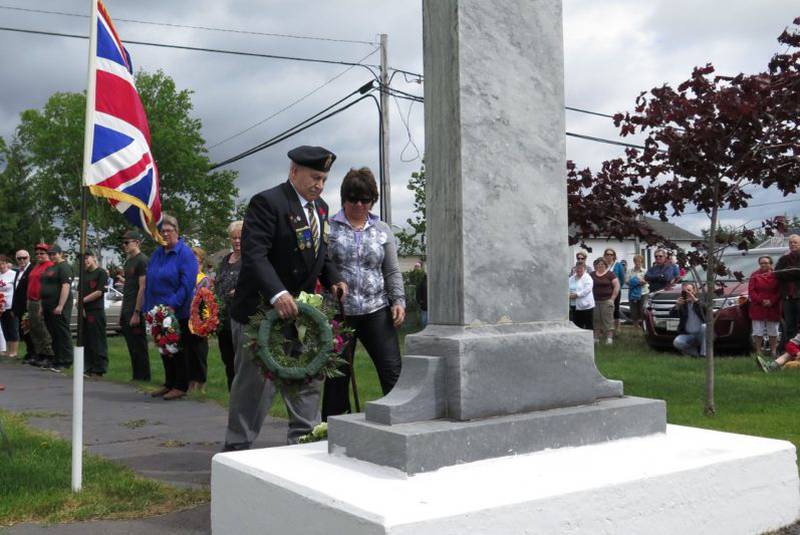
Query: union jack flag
{"x": 118, "y": 159}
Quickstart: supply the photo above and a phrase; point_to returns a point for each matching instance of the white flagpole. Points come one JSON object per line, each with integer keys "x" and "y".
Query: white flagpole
{"x": 77, "y": 366}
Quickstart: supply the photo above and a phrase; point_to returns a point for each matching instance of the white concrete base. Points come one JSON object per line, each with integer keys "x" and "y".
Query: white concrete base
{"x": 685, "y": 481}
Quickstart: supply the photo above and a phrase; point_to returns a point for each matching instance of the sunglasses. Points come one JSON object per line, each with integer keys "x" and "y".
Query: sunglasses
{"x": 126, "y": 242}
{"x": 659, "y": 256}
{"x": 581, "y": 257}
{"x": 22, "y": 258}
{"x": 362, "y": 200}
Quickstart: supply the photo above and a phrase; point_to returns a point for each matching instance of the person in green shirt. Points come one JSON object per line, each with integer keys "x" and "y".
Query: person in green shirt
{"x": 131, "y": 319}
{"x": 57, "y": 305}
{"x": 94, "y": 313}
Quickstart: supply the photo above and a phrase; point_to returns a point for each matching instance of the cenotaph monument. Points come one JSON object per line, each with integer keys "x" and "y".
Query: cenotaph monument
{"x": 500, "y": 421}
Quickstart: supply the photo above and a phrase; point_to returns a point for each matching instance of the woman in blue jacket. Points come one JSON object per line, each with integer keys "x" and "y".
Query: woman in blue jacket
{"x": 170, "y": 281}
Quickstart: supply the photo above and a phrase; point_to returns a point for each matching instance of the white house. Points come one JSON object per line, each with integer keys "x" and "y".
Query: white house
{"x": 629, "y": 247}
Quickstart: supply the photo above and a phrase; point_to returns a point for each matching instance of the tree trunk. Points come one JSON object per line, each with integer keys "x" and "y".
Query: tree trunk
{"x": 711, "y": 279}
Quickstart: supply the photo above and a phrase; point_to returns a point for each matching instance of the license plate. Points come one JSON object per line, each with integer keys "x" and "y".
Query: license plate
{"x": 672, "y": 324}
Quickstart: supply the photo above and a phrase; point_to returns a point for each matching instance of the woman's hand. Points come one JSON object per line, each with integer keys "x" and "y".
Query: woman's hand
{"x": 398, "y": 315}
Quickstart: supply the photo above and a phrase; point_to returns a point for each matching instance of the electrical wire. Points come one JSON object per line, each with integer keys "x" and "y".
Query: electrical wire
{"x": 194, "y": 48}
{"x": 299, "y": 127}
{"x": 607, "y": 141}
{"x": 410, "y": 142}
{"x": 191, "y": 27}
{"x": 291, "y": 104}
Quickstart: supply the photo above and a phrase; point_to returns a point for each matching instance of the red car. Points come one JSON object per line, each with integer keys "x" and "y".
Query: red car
{"x": 732, "y": 326}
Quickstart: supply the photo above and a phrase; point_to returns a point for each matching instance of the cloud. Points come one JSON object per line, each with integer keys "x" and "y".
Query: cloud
{"x": 613, "y": 50}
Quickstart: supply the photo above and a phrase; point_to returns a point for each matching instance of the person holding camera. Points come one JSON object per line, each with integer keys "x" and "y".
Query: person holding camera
{"x": 691, "y": 339}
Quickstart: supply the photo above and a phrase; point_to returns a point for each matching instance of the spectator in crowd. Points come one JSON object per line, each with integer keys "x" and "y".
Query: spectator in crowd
{"x": 8, "y": 322}
{"x": 225, "y": 289}
{"x": 605, "y": 288}
{"x": 131, "y": 317}
{"x": 421, "y": 295}
{"x": 95, "y": 281}
{"x": 19, "y": 304}
{"x": 40, "y": 336}
{"x": 787, "y": 271}
{"x": 677, "y": 273}
{"x": 765, "y": 302}
{"x": 284, "y": 252}
{"x": 792, "y": 351}
{"x": 170, "y": 281}
{"x": 661, "y": 273}
{"x": 197, "y": 346}
{"x": 581, "y": 297}
{"x": 364, "y": 251}
{"x": 637, "y": 290}
{"x": 691, "y": 339}
{"x": 57, "y": 306}
{"x": 580, "y": 258}
{"x": 610, "y": 256}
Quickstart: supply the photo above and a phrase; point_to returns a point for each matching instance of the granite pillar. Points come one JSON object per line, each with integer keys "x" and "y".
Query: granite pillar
{"x": 499, "y": 345}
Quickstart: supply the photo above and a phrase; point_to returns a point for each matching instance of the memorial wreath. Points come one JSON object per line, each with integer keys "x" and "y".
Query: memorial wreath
{"x": 314, "y": 353}
{"x": 204, "y": 317}
{"x": 163, "y": 326}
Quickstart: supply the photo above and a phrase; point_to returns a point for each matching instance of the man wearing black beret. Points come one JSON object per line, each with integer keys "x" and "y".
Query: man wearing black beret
{"x": 284, "y": 251}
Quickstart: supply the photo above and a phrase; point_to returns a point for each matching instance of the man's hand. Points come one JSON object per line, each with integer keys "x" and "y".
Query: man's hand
{"x": 339, "y": 287}
{"x": 398, "y": 315}
{"x": 135, "y": 319}
{"x": 286, "y": 306}
{"x": 573, "y": 296}
{"x": 58, "y": 310}
{"x": 766, "y": 303}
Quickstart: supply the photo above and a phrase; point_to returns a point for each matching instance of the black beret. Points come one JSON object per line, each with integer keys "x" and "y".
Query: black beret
{"x": 317, "y": 158}
{"x": 55, "y": 248}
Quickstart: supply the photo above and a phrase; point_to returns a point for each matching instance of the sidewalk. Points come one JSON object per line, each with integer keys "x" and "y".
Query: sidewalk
{"x": 172, "y": 441}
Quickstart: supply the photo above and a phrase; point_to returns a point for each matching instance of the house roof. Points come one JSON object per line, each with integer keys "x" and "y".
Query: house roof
{"x": 669, "y": 230}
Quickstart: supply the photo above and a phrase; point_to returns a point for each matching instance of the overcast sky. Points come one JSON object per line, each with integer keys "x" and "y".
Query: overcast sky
{"x": 613, "y": 50}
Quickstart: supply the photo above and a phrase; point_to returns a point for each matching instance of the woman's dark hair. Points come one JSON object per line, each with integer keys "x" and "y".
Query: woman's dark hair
{"x": 359, "y": 184}
{"x": 760, "y": 258}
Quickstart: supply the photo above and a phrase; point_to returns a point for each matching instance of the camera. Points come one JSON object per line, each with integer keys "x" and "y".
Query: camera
{"x": 684, "y": 295}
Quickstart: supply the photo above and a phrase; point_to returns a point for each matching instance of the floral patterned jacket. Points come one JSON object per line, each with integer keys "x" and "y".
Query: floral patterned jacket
{"x": 367, "y": 260}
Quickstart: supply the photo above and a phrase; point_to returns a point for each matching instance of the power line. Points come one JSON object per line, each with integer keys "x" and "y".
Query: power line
{"x": 291, "y": 104}
{"x": 207, "y": 28}
{"x": 296, "y": 129}
{"x": 194, "y": 48}
{"x": 607, "y": 141}
{"x": 589, "y": 112}
{"x": 746, "y": 207}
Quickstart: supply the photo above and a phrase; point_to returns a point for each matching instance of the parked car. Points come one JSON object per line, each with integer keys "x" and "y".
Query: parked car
{"x": 113, "y": 306}
{"x": 732, "y": 328}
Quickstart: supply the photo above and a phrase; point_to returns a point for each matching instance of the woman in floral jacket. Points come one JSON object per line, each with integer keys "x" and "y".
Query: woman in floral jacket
{"x": 364, "y": 250}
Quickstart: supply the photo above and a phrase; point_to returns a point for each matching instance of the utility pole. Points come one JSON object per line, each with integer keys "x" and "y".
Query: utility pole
{"x": 386, "y": 183}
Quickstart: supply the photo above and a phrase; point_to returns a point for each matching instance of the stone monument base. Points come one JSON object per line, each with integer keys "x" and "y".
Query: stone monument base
{"x": 432, "y": 444}
{"x": 684, "y": 481}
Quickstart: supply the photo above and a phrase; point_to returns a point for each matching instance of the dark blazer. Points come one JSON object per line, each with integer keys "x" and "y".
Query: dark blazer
{"x": 19, "y": 303}
{"x": 682, "y": 312}
{"x": 272, "y": 257}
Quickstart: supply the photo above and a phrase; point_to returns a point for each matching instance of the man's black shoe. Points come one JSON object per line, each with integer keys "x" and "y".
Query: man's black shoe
{"x": 238, "y": 446}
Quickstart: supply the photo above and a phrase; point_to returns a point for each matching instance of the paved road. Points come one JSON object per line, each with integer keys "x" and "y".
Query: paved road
{"x": 172, "y": 441}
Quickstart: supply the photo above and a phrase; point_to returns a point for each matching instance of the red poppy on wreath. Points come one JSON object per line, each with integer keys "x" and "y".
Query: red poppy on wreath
{"x": 204, "y": 318}
{"x": 163, "y": 326}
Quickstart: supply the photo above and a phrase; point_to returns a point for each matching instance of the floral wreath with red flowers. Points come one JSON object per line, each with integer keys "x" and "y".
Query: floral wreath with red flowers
{"x": 163, "y": 326}
{"x": 204, "y": 317}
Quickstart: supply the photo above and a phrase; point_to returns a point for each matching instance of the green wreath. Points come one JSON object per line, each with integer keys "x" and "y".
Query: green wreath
{"x": 272, "y": 349}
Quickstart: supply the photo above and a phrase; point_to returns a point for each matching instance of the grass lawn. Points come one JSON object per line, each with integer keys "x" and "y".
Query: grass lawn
{"x": 35, "y": 483}
{"x": 748, "y": 401}
{"x": 119, "y": 370}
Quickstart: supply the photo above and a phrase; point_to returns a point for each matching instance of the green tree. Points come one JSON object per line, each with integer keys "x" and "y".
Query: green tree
{"x": 22, "y": 224}
{"x": 412, "y": 241}
{"x": 52, "y": 138}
